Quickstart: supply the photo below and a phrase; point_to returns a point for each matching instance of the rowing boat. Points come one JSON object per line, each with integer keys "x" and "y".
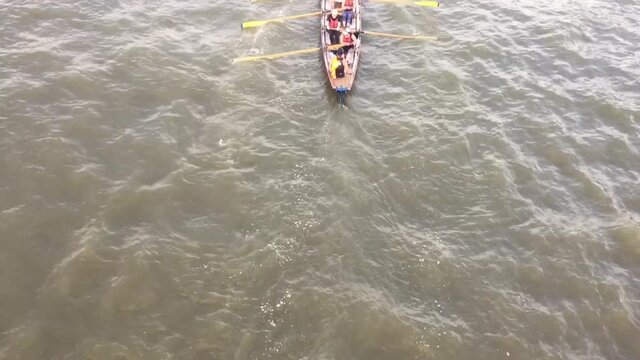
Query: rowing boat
{"x": 344, "y": 84}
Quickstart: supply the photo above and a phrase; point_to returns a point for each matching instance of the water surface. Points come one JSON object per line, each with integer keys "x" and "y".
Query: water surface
{"x": 478, "y": 199}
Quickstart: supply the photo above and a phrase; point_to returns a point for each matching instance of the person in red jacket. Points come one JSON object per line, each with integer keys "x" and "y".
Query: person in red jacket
{"x": 333, "y": 26}
{"x": 348, "y": 40}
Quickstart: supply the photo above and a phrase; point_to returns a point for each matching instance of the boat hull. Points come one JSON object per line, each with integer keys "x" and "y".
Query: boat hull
{"x": 352, "y": 59}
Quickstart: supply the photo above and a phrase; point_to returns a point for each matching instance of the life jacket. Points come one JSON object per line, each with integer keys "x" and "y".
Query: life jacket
{"x": 340, "y": 71}
{"x": 334, "y": 23}
{"x": 337, "y": 69}
{"x": 347, "y": 39}
{"x": 348, "y": 4}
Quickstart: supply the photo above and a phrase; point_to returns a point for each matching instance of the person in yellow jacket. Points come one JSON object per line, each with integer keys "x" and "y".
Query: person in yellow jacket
{"x": 336, "y": 62}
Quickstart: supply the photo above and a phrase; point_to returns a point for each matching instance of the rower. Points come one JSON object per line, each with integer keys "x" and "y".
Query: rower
{"x": 348, "y": 40}
{"x": 347, "y": 12}
{"x": 337, "y": 65}
{"x": 333, "y": 26}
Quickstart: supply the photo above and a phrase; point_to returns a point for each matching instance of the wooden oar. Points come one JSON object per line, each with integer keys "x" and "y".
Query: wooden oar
{"x": 256, "y": 23}
{"x": 417, "y": 37}
{"x": 283, "y": 54}
{"x": 405, "y": 2}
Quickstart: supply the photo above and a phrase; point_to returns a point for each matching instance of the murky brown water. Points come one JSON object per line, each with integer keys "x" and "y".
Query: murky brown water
{"x": 478, "y": 199}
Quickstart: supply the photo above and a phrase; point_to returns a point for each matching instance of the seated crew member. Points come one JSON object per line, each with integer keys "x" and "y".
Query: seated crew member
{"x": 333, "y": 26}
{"x": 348, "y": 40}
{"x": 337, "y": 66}
{"x": 347, "y": 12}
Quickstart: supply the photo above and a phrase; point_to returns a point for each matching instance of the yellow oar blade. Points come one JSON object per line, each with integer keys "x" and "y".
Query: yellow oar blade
{"x": 283, "y": 54}
{"x": 256, "y": 23}
{"x": 427, "y": 3}
{"x": 396, "y": 36}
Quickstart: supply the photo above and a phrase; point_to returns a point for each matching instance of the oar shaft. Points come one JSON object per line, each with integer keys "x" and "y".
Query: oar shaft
{"x": 275, "y": 56}
{"x": 409, "y": 2}
{"x": 256, "y": 23}
{"x": 417, "y": 37}
{"x": 283, "y": 54}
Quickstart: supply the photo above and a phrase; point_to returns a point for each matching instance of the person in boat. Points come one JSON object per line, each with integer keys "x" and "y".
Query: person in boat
{"x": 347, "y": 12}
{"x": 348, "y": 39}
{"x": 337, "y": 65}
{"x": 333, "y": 26}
